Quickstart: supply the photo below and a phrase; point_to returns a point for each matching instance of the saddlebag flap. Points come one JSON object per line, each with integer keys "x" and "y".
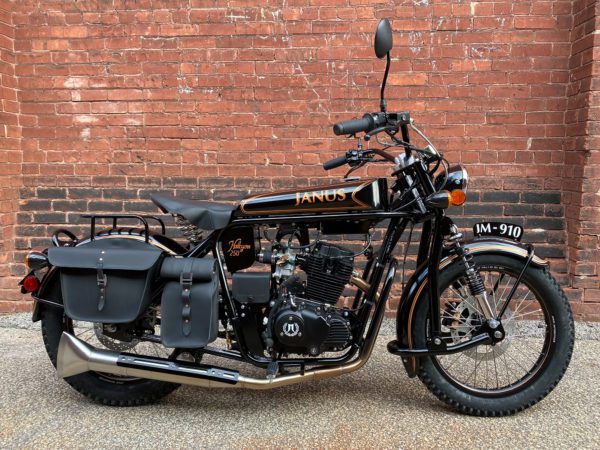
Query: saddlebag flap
{"x": 190, "y": 302}
{"x": 105, "y": 284}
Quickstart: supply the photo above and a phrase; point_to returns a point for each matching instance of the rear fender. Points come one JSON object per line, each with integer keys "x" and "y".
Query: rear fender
{"x": 415, "y": 287}
{"x": 49, "y": 292}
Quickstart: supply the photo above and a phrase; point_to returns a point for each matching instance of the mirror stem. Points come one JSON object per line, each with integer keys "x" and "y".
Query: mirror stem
{"x": 382, "y": 102}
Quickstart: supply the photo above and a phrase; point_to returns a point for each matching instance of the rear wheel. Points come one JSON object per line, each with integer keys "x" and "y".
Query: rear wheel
{"x": 515, "y": 373}
{"x": 105, "y": 388}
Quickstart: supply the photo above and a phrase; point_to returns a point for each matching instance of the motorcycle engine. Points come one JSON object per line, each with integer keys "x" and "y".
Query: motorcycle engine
{"x": 328, "y": 269}
{"x": 304, "y": 318}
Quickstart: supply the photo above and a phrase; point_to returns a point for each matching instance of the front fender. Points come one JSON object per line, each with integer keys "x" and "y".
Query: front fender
{"x": 49, "y": 290}
{"x": 415, "y": 286}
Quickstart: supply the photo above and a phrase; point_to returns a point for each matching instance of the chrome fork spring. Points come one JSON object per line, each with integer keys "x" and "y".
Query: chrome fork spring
{"x": 474, "y": 280}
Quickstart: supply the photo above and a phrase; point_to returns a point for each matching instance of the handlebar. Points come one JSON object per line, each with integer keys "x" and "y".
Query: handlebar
{"x": 367, "y": 123}
{"x": 354, "y": 156}
{"x": 335, "y": 162}
{"x": 391, "y": 123}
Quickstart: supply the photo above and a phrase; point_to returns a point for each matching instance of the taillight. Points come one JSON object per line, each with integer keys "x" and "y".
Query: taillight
{"x": 31, "y": 283}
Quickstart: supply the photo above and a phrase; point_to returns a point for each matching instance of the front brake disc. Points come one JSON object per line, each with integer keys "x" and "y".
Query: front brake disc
{"x": 464, "y": 322}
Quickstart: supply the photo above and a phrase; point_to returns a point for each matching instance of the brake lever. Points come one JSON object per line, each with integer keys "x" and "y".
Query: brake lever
{"x": 430, "y": 147}
{"x": 371, "y": 133}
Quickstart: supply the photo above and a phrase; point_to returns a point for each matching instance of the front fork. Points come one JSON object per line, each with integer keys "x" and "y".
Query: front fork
{"x": 434, "y": 238}
{"x": 475, "y": 283}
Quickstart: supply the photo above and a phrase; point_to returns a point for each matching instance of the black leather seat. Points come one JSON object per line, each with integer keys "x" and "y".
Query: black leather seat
{"x": 205, "y": 215}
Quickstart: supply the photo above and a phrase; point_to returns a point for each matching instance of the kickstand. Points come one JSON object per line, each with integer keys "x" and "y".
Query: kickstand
{"x": 272, "y": 370}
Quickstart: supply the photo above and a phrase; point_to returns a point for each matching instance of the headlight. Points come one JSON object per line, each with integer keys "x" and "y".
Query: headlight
{"x": 457, "y": 178}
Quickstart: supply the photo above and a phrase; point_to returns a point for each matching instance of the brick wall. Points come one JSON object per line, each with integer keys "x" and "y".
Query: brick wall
{"x": 10, "y": 159}
{"x": 214, "y": 99}
{"x": 582, "y": 161}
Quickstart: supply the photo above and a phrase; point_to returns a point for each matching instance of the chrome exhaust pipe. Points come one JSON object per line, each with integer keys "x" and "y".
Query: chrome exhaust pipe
{"x": 76, "y": 356}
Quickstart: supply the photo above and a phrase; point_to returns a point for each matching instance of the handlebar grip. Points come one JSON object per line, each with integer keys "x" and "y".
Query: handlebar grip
{"x": 367, "y": 123}
{"x": 335, "y": 162}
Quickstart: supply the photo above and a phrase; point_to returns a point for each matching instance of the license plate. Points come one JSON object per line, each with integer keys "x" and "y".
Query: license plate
{"x": 498, "y": 229}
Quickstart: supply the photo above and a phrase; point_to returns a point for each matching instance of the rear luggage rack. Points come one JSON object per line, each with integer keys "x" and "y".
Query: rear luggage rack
{"x": 58, "y": 242}
{"x": 115, "y": 218}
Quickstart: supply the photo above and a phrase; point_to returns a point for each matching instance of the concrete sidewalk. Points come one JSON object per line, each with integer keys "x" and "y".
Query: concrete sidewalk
{"x": 378, "y": 406}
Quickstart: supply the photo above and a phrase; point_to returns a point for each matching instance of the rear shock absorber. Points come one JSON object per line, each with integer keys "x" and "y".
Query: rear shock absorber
{"x": 191, "y": 232}
{"x": 474, "y": 280}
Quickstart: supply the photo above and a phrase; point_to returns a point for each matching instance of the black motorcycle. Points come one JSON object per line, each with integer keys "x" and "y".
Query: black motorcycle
{"x": 128, "y": 314}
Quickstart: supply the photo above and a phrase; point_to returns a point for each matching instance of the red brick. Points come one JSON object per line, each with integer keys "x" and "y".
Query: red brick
{"x": 531, "y": 22}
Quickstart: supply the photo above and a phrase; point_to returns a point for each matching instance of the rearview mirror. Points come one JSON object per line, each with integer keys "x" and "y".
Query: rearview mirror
{"x": 383, "y": 38}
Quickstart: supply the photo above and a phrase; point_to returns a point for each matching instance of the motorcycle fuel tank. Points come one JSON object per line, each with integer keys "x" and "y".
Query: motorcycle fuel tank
{"x": 356, "y": 195}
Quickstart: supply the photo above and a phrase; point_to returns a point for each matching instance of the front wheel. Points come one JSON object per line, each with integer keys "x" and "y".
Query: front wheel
{"x": 515, "y": 373}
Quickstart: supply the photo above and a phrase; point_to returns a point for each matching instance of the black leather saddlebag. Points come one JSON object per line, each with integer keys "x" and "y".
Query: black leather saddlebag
{"x": 190, "y": 302}
{"x": 108, "y": 284}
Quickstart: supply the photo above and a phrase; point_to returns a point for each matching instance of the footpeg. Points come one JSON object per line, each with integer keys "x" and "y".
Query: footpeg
{"x": 396, "y": 348}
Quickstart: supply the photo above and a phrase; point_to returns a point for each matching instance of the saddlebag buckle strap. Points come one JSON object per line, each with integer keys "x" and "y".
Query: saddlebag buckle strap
{"x": 185, "y": 280}
{"x": 101, "y": 280}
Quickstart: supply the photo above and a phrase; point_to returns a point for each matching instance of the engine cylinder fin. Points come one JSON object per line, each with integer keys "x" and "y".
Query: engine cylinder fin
{"x": 328, "y": 270}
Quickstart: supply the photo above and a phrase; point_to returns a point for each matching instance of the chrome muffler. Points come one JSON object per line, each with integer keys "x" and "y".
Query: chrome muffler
{"x": 76, "y": 356}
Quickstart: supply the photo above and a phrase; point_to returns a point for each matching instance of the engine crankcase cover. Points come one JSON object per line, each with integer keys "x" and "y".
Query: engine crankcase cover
{"x": 301, "y": 329}
{"x": 310, "y": 329}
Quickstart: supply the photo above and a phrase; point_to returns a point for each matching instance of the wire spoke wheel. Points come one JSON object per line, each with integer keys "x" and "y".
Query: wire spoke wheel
{"x": 491, "y": 368}
{"x": 108, "y": 389}
{"x": 514, "y": 373}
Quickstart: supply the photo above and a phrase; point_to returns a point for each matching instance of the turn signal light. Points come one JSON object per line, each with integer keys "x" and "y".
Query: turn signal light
{"x": 36, "y": 260}
{"x": 457, "y": 197}
{"x": 445, "y": 199}
{"x": 31, "y": 283}
{"x": 440, "y": 200}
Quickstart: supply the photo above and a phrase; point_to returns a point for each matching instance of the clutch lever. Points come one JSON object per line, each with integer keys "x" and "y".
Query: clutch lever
{"x": 354, "y": 167}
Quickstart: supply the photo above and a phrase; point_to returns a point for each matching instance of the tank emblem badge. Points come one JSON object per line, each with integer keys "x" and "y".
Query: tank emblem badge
{"x": 324, "y": 196}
